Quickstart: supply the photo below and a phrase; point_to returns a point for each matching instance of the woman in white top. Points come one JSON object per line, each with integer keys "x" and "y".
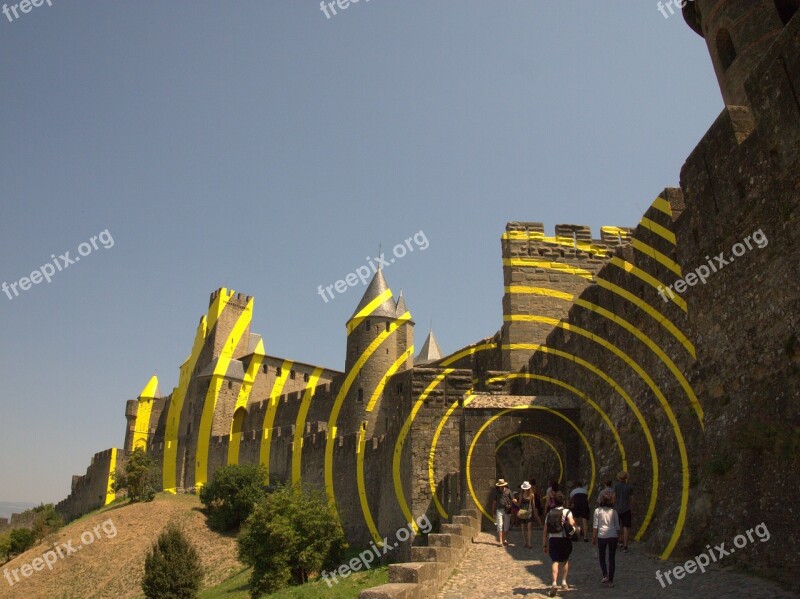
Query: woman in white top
{"x": 605, "y": 533}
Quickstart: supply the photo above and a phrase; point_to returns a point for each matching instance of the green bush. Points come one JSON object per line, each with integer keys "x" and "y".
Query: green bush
{"x": 46, "y": 520}
{"x": 172, "y": 568}
{"x": 292, "y": 533}
{"x": 5, "y": 547}
{"x": 232, "y": 494}
{"x": 21, "y": 539}
{"x": 140, "y": 477}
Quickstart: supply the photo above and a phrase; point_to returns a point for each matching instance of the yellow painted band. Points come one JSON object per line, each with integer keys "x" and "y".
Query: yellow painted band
{"x": 652, "y": 312}
{"x": 364, "y": 313}
{"x": 574, "y": 390}
{"x": 617, "y": 232}
{"x": 647, "y": 278}
{"x": 544, "y": 265}
{"x": 543, "y": 440}
{"x": 212, "y": 395}
{"x": 568, "y": 297}
{"x": 592, "y": 368}
{"x": 663, "y": 205}
{"x": 589, "y": 248}
{"x": 337, "y": 404}
{"x": 658, "y": 230}
{"x": 169, "y": 470}
{"x": 468, "y": 352}
{"x": 112, "y": 472}
{"x": 656, "y": 349}
{"x": 401, "y": 439}
{"x": 242, "y": 400}
{"x": 300, "y": 425}
{"x": 509, "y": 411}
{"x": 389, "y": 373}
{"x": 269, "y": 414}
{"x": 362, "y": 488}
{"x": 659, "y": 257}
{"x": 141, "y": 428}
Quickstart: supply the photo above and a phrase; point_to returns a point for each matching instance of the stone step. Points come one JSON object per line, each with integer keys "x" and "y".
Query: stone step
{"x": 442, "y": 540}
{"x": 392, "y": 591}
{"x": 455, "y": 529}
{"x": 442, "y": 555}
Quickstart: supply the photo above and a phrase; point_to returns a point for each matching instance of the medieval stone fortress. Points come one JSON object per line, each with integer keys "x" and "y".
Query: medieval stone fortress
{"x": 589, "y": 357}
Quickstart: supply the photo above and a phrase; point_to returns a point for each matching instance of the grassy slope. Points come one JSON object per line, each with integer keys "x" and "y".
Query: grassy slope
{"x": 236, "y": 587}
{"x": 113, "y": 567}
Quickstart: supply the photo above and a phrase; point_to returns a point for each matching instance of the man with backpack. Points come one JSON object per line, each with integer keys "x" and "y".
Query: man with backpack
{"x": 557, "y": 540}
{"x": 501, "y": 506}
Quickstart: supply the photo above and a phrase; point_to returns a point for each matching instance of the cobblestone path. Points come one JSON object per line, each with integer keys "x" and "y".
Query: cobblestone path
{"x": 489, "y": 571}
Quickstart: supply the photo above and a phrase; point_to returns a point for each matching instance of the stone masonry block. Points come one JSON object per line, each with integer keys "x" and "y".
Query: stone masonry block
{"x": 392, "y": 591}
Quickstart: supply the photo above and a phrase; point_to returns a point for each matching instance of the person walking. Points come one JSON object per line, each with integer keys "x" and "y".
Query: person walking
{"x": 501, "y": 506}
{"x": 549, "y": 501}
{"x": 579, "y": 504}
{"x": 605, "y": 534}
{"x": 623, "y": 504}
{"x": 537, "y": 503}
{"x": 525, "y": 513}
{"x": 559, "y": 524}
{"x": 608, "y": 490}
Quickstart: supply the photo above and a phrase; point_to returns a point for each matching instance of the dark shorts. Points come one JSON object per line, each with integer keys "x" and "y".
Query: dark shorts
{"x": 559, "y": 549}
{"x": 580, "y": 512}
{"x": 625, "y": 519}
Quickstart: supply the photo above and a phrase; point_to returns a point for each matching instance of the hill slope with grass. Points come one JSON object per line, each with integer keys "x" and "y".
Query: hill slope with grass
{"x": 112, "y": 565}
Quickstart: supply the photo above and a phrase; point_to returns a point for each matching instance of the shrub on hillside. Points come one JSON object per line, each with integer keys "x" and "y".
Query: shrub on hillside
{"x": 291, "y": 533}
{"x": 21, "y": 539}
{"x": 45, "y": 520}
{"x": 232, "y": 494}
{"x": 5, "y": 548}
{"x": 140, "y": 477}
{"x": 172, "y": 568}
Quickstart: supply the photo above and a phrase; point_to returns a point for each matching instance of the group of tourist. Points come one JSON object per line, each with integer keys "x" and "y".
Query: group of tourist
{"x": 566, "y": 520}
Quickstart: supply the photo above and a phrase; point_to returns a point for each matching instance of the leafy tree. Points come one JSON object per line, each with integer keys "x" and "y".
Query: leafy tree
{"x": 172, "y": 568}
{"x": 21, "y": 539}
{"x": 291, "y": 533}
{"x": 140, "y": 477}
{"x": 5, "y": 547}
{"x": 232, "y": 494}
{"x": 46, "y": 520}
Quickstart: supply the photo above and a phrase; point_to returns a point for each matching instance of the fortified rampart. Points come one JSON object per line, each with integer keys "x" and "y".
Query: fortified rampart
{"x": 614, "y": 354}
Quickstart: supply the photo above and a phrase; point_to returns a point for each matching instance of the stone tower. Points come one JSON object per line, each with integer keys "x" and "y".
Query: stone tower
{"x": 380, "y": 338}
{"x": 738, "y": 34}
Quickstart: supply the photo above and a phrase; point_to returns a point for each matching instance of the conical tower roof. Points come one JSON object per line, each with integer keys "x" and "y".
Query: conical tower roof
{"x": 400, "y": 308}
{"x": 377, "y": 301}
{"x": 151, "y": 390}
{"x": 430, "y": 351}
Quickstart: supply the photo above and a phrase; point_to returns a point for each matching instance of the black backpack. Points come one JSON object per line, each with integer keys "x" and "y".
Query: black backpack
{"x": 505, "y": 500}
{"x": 557, "y": 523}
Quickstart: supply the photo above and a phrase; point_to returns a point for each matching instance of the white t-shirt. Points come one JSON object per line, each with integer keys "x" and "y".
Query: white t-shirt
{"x": 566, "y": 515}
{"x": 606, "y": 521}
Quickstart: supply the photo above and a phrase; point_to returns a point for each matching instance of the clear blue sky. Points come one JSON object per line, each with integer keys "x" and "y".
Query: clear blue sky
{"x": 265, "y": 148}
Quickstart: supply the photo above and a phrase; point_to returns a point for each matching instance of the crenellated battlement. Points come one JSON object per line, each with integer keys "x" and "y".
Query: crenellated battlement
{"x": 578, "y": 237}
{"x": 239, "y": 299}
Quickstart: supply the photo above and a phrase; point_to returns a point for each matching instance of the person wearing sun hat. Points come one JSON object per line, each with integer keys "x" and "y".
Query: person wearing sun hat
{"x": 501, "y": 506}
{"x": 525, "y": 513}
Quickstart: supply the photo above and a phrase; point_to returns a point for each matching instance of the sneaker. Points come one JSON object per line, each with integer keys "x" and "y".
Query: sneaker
{"x": 564, "y": 586}
{"x": 552, "y": 592}
{"x": 605, "y": 579}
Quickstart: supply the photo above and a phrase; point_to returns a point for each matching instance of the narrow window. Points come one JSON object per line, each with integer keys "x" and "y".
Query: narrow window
{"x": 366, "y": 325}
{"x": 292, "y": 374}
{"x": 360, "y": 395}
{"x": 278, "y": 371}
{"x": 230, "y": 385}
{"x": 305, "y": 377}
{"x": 387, "y": 325}
{"x": 265, "y": 368}
{"x": 725, "y": 49}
